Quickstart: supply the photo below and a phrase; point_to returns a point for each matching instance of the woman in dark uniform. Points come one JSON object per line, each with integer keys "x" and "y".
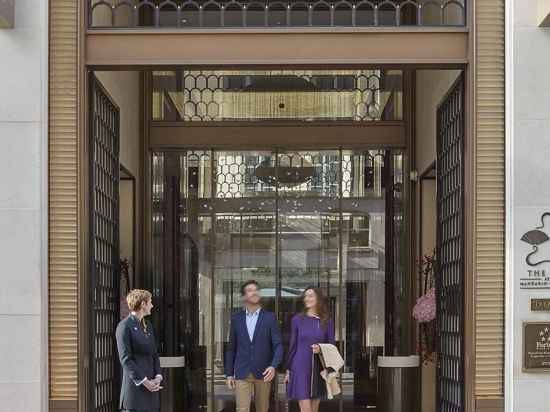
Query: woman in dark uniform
{"x": 138, "y": 355}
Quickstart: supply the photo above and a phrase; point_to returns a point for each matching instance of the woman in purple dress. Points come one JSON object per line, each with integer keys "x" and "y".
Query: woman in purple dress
{"x": 308, "y": 329}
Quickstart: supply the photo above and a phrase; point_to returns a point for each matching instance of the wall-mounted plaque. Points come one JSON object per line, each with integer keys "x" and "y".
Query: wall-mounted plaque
{"x": 540, "y": 305}
{"x": 536, "y": 346}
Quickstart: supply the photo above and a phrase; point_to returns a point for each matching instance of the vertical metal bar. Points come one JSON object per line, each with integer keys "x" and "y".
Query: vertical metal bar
{"x": 340, "y": 272}
{"x": 397, "y": 15}
{"x": 212, "y": 274}
{"x": 288, "y": 18}
{"x": 136, "y": 16}
{"x": 390, "y": 282}
{"x": 93, "y": 274}
{"x": 157, "y": 16}
{"x": 278, "y": 281}
{"x": 116, "y": 227}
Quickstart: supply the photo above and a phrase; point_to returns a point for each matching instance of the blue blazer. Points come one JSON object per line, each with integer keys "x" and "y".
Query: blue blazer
{"x": 243, "y": 356}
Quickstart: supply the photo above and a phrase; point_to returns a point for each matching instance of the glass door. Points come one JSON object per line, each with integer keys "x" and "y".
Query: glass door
{"x": 288, "y": 219}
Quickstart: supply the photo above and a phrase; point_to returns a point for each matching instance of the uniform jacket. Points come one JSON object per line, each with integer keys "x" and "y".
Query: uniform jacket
{"x": 137, "y": 351}
{"x": 245, "y": 356}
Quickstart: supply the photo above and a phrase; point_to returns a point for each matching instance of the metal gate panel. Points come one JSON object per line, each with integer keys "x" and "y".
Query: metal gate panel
{"x": 104, "y": 248}
{"x": 450, "y": 250}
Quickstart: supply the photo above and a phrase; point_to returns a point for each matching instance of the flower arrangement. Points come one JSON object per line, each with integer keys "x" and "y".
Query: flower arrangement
{"x": 426, "y": 308}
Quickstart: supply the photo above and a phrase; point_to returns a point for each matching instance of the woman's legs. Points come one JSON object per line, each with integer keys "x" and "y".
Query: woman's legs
{"x": 305, "y": 405}
{"x": 309, "y": 405}
{"x": 315, "y": 405}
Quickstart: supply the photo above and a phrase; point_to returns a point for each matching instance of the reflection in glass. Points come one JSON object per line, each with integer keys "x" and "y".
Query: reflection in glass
{"x": 288, "y": 219}
{"x": 255, "y": 95}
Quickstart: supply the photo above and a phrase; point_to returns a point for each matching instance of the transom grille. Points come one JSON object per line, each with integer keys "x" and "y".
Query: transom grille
{"x": 295, "y": 13}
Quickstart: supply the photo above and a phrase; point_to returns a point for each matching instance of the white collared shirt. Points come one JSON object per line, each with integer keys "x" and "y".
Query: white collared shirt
{"x": 252, "y": 321}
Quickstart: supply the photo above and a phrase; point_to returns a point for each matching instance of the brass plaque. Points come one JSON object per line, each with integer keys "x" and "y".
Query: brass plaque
{"x": 540, "y": 305}
{"x": 536, "y": 346}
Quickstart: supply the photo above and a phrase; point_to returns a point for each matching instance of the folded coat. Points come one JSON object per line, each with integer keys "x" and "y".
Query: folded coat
{"x": 332, "y": 362}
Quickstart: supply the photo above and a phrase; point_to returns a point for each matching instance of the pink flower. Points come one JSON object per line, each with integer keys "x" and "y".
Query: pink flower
{"x": 425, "y": 308}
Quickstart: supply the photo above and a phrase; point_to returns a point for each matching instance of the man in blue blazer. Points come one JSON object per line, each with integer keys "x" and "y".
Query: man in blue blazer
{"x": 254, "y": 352}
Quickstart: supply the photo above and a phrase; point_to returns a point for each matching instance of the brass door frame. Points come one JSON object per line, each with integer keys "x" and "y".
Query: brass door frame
{"x": 164, "y": 136}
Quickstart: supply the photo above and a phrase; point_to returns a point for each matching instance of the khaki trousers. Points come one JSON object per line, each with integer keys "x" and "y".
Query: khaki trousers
{"x": 251, "y": 387}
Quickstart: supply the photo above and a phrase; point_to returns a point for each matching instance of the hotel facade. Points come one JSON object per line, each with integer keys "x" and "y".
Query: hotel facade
{"x": 188, "y": 146}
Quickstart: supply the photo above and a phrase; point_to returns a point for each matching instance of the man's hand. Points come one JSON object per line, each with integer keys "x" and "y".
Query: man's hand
{"x": 315, "y": 348}
{"x": 152, "y": 386}
{"x": 269, "y": 374}
{"x": 231, "y": 382}
{"x": 157, "y": 380}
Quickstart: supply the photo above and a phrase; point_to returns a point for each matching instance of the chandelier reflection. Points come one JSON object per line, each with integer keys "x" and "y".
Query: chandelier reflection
{"x": 292, "y": 170}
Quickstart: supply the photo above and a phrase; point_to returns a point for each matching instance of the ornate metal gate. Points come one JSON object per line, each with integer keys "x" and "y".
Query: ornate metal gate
{"x": 104, "y": 248}
{"x": 450, "y": 250}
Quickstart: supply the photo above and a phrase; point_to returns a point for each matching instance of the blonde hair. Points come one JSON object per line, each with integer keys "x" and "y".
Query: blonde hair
{"x": 136, "y": 298}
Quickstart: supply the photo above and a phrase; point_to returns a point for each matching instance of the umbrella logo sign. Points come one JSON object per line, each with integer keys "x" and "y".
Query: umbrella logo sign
{"x": 535, "y": 238}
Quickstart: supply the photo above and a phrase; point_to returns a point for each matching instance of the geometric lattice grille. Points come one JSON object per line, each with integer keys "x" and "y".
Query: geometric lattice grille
{"x": 293, "y": 13}
{"x": 450, "y": 250}
{"x": 104, "y": 248}
{"x": 295, "y": 95}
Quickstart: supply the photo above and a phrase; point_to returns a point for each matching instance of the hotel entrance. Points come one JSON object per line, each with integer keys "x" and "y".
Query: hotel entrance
{"x": 289, "y": 219}
{"x": 293, "y": 178}
{"x": 269, "y": 205}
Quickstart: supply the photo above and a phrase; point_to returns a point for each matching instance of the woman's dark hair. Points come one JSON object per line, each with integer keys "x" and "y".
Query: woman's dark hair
{"x": 248, "y": 283}
{"x": 322, "y": 308}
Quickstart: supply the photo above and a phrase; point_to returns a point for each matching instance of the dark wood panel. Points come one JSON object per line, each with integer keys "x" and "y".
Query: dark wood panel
{"x": 278, "y": 136}
{"x": 63, "y": 405}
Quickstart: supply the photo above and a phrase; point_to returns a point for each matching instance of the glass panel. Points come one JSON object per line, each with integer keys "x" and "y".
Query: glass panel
{"x": 308, "y": 232}
{"x": 288, "y": 219}
{"x": 363, "y": 273}
{"x": 256, "y": 95}
{"x": 244, "y": 212}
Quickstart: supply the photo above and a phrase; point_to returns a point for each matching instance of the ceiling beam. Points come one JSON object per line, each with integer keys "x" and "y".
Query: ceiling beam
{"x": 112, "y": 49}
{"x": 307, "y": 136}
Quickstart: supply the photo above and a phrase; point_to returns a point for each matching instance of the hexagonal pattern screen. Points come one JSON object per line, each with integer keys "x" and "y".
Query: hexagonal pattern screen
{"x": 291, "y": 95}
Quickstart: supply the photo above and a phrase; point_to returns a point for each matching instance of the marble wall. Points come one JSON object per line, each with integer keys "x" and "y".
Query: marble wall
{"x": 23, "y": 209}
{"x": 528, "y": 195}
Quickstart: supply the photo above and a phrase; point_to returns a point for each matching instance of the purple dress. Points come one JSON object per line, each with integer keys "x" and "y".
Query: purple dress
{"x": 305, "y": 331}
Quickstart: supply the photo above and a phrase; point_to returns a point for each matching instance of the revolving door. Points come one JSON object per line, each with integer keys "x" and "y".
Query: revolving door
{"x": 288, "y": 219}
